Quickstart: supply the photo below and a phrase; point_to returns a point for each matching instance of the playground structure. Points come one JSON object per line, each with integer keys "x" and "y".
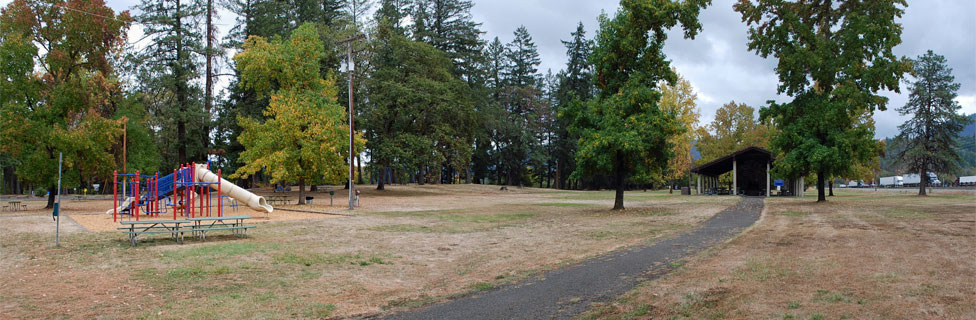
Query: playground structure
{"x": 187, "y": 192}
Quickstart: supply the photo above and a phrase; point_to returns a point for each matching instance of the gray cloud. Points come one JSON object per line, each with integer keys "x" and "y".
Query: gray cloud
{"x": 718, "y": 62}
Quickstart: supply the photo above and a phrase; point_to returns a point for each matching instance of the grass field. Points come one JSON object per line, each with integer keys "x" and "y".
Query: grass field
{"x": 406, "y": 247}
{"x": 862, "y": 255}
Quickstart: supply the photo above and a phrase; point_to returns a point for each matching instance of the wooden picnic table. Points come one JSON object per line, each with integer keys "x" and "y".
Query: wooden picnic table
{"x": 15, "y": 205}
{"x": 233, "y": 223}
{"x": 136, "y": 228}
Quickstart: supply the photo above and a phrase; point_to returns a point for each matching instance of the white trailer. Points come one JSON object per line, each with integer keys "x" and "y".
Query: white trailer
{"x": 913, "y": 179}
{"x": 967, "y": 181}
{"x": 893, "y": 181}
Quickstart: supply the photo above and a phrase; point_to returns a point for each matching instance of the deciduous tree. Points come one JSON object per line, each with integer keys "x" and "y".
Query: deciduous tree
{"x": 65, "y": 104}
{"x": 623, "y": 131}
{"x": 305, "y": 137}
{"x": 679, "y": 99}
{"x": 833, "y": 58}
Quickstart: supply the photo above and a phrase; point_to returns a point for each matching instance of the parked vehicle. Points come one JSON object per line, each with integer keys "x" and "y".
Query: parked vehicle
{"x": 913, "y": 179}
{"x": 967, "y": 181}
{"x": 893, "y": 181}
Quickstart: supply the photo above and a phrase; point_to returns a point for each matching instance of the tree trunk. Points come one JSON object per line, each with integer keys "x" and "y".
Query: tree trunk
{"x": 923, "y": 178}
{"x": 670, "y": 188}
{"x": 380, "y": 179}
{"x": 830, "y": 187}
{"x": 821, "y": 196}
{"x": 559, "y": 177}
{"x": 301, "y": 191}
{"x": 359, "y": 167}
{"x": 618, "y": 177}
{"x": 52, "y": 192}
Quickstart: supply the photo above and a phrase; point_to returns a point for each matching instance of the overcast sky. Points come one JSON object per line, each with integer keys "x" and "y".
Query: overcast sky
{"x": 717, "y": 62}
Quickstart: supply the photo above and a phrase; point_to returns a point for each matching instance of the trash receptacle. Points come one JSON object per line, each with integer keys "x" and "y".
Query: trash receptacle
{"x": 685, "y": 191}
{"x": 308, "y": 200}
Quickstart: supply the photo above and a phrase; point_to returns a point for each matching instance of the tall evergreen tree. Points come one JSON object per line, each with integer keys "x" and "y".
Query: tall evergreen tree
{"x": 935, "y": 121}
{"x": 522, "y": 102}
{"x": 833, "y": 58}
{"x": 326, "y": 12}
{"x": 167, "y": 73}
{"x": 575, "y": 84}
{"x": 524, "y": 58}
{"x": 418, "y": 116}
{"x": 448, "y": 26}
{"x": 491, "y": 115}
{"x": 393, "y": 13}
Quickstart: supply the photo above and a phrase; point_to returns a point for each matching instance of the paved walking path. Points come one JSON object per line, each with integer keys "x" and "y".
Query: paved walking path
{"x": 567, "y": 292}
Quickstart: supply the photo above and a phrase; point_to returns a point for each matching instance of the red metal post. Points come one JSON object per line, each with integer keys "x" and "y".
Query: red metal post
{"x": 135, "y": 191}
{"x": 174, "y": 193}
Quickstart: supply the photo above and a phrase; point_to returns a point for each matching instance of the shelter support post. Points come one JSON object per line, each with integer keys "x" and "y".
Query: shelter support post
{"x": 767, "y": 179}
{"x": 735, "y": 178}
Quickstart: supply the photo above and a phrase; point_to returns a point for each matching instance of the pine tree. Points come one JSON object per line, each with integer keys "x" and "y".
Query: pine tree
{"x": 417, "y": 117}
{"x": 935, "y": 122}
{"x": 491, "y": 115}
{"x": 167, "y": 70}
{"x": 575, "y": 84}
{"x": 392, "y": 13}
{"x": 447, "y": 25}
{"x": 521, "y": 98}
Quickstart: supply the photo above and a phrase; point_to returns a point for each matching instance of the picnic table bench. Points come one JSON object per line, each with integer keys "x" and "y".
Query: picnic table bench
{"x": 233, "y": 223}
{"x": 14, "y": 205}
{"x": 136, "y": 228}
{"x": 278, "y": 199}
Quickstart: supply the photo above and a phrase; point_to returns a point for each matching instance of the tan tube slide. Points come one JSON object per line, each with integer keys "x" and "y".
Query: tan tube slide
{"x": 253, "y": 201}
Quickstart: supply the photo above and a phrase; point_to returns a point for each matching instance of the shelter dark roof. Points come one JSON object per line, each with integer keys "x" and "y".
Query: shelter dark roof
{"x": 724, "y": 164}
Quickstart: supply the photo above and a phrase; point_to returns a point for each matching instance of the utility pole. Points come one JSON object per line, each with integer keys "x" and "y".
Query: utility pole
{"x": 350, "y": 67}
{"x": 57, "y": 205}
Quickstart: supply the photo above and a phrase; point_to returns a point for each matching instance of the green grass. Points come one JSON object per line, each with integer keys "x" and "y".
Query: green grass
{"x": 906, "y": 213}
{"x": 219, "y": 250}
{"x": 826, "y": 297}
{"x": 655, "y": 212}
{"x": 609, "y": 195}
{"x": 762, "y": 269}
{"x": 309, "y": 259}
{"x": 564, "y": 204}
{"x": 410, "y": 303}
{"x": 481, "y": 286}
{"x": 460, "y": 215}
{"x": 791, "y": 213}
{"x": 794, "y": 305}
{"x": 486, "y": 218}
